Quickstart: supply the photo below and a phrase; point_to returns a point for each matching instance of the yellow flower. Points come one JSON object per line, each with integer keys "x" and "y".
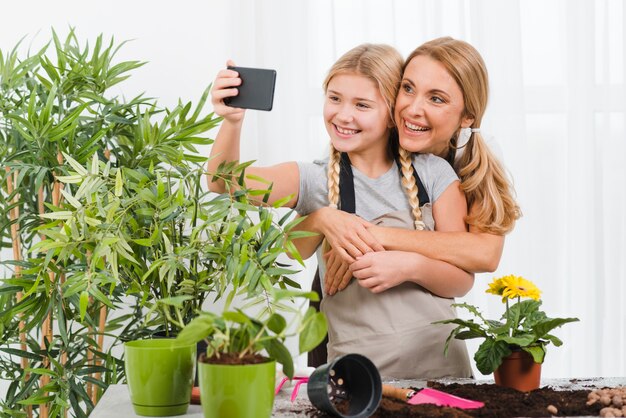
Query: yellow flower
{"x": 497, "y": 286}
{"x": 516, "y": 286}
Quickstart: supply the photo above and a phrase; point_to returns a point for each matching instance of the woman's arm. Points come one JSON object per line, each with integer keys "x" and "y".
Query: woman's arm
{"x": 382, "y": 270}
{"x": 284, "y": 177}
{"x": 474, "y": 251}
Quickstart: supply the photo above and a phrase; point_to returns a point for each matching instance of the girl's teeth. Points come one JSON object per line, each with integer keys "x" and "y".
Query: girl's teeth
{"x": 414, "y": 127}
{"x": 346, "y": 131}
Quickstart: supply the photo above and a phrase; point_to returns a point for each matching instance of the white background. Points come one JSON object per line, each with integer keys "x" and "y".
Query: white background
{"x": 557, "y": 108}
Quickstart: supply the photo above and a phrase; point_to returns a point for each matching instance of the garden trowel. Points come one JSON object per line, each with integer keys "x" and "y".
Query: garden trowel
{"x": 428, "y": 395}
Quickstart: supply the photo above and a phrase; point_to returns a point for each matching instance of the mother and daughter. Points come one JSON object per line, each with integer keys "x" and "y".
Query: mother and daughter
{"x": 410, "y": 201}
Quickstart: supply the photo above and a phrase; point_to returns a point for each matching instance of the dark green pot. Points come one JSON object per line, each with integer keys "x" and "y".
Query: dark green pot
{"x": 160, "y": 376}
{"x": 237, "y": 391}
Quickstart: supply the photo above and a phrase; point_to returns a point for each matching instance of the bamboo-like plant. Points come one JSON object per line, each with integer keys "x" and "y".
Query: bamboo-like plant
{"x": 55, "y": 107}
{"x": 111, "y": 230}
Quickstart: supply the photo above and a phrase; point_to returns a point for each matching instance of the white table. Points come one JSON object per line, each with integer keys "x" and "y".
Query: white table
{"x": 115, "y": 402}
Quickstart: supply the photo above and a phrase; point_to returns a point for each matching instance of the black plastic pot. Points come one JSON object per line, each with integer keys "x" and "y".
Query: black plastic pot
{"x": 352, "y": 377}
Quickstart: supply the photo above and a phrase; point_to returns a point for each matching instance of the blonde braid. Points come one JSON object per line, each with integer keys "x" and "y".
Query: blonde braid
{"x": 410, "y": 187}
{"x": 333, "y": 186}
{"x": 333, "y": 177}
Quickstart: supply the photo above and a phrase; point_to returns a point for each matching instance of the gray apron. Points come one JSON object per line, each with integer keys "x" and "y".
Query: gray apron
{"x": 394, "y": 328}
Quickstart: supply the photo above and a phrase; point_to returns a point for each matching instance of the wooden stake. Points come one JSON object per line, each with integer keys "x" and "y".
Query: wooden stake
{"x": 14, "y": 215}
{"x": 101, "y": 326}
{"x": 47, "y": 328}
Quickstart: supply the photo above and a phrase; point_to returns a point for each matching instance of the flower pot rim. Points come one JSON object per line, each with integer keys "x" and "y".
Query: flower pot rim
{"x": 205, "y": 363}
{"x": 157, "y": 344}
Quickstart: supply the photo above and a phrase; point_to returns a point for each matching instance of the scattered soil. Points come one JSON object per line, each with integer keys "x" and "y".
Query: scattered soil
{"x": 499, "y": 402}
{"x": 233, "y": 358}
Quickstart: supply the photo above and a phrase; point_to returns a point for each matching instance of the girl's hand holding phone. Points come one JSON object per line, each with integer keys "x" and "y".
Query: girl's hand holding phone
{"x": 225, "y": 85}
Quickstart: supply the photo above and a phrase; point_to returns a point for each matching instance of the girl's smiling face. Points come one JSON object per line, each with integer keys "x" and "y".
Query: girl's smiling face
{"x": 356, "y": 115}
{"x": 429, "y": 108}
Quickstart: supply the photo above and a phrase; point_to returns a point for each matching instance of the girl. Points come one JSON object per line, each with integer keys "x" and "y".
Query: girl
{"x": 390, "y": 324}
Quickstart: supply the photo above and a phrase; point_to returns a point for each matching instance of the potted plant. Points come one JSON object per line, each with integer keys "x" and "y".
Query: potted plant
{"x": 87, "y": 204}
{"x": 237, "y": 373}
{"x": 515, "y": 343}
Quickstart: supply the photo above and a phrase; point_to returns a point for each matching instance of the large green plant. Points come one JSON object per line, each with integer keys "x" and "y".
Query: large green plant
{"x": 56, "y": 115}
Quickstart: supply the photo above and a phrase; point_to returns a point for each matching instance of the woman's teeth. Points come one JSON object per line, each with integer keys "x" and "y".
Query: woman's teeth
{"x": 416, "y": 128}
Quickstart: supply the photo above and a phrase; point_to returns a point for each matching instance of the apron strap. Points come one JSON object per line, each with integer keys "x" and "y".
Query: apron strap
{"x": 346, "y": 185}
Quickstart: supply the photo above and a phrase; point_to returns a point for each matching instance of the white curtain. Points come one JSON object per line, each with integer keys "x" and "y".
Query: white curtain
{"x": 557, "y": 109}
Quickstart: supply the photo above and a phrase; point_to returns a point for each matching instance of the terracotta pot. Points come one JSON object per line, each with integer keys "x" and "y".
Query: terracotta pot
{"x": 519, "y": 371}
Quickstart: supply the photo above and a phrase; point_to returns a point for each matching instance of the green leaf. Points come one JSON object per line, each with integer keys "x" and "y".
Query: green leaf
{"x": 76, "y": 165}
{"x": 279, "y": 352}
{"x": 544, "y": 327}
{"x": 95, "y": 169}
{"x": 521, "y": 340}
{"x": 21, "y": 353}
{"x": 283, "y": 202}
{"x": 176, "y": 301}
{"x": 237, "y": 317}
{"x": 71, "y": 199}
{"x": 313, "y": 331}
{"x": 84, "y": 302}
{"x": 537, "y": 351}
{"x": 489, "y": 355}
{"x": 198, "y": 329}
{"x": 276, "y": 323}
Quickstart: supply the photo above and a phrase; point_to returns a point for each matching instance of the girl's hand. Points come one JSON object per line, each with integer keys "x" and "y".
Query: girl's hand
{"x": 347, "y": 234}
{"x": 338, "y": 274}
{"x": 225, "y": 85}
{"x": 381, "y": 270}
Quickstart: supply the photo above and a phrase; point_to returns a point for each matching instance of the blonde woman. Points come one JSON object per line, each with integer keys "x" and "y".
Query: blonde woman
{"x": 390, "y": 325}
{"x": 444, "y": 86}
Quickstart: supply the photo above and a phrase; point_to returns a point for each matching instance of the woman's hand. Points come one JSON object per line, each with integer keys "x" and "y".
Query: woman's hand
{"x": 347, "y": 234}
{"x": 338, "y": 274}
{"x": 225, "y": 85}
{"x": 379, "y": 271}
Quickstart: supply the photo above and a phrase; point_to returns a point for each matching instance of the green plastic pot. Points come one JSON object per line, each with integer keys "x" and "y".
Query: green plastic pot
{"x": 237, "y": 391}
{"x": 160, "y": 376}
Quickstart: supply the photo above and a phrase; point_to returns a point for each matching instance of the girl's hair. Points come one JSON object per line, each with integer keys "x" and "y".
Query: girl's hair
{"x": 489, "y": 192}
{"x": 383, "y": 65}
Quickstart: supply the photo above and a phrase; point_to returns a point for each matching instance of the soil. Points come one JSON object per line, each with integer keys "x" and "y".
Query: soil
{"x": 500, "y": 402}
{"x": 233, "y": 358}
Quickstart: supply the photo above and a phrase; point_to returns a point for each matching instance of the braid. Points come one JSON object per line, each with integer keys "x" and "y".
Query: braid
{"x": 333, "y": 177}
{"x": 333, "y": 186}
{"x": 410, "y": 187}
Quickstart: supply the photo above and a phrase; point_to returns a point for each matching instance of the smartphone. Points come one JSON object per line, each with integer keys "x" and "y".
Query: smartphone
{"x": 256, "y": 90}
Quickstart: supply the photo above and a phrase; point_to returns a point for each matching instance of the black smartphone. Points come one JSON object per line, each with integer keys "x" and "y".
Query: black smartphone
{"x": 256, "y": 90}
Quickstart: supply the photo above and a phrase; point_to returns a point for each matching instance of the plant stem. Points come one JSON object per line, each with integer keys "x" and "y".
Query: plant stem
{"x": 508, "y": 315}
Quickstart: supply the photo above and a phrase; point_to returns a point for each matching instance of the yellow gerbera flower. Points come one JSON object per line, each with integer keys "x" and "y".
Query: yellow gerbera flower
{"x": 497, "y": 286}
{"x": 516, "y": 286}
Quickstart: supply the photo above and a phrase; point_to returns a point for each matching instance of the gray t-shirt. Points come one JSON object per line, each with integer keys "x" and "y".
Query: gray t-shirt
{"x": 374, "y": 197}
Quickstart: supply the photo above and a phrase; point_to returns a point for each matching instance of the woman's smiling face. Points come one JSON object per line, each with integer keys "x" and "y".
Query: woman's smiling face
{"x": 429, "y": 108}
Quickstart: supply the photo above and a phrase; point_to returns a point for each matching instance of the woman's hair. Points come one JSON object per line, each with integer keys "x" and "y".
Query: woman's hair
{"x": 383, "y": 65}
{"x": 487, "y": 188}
